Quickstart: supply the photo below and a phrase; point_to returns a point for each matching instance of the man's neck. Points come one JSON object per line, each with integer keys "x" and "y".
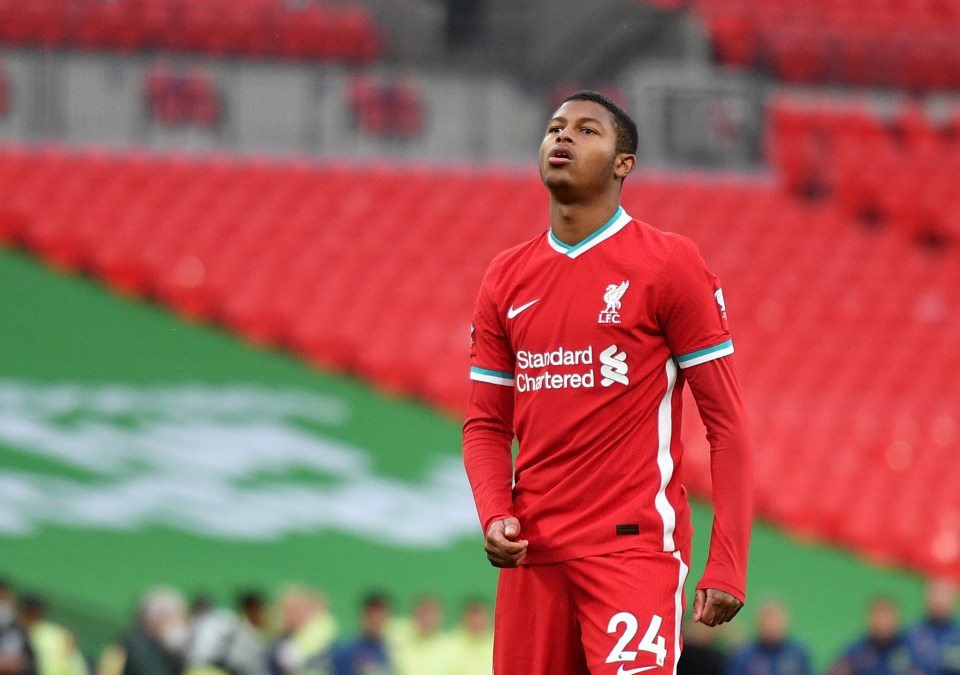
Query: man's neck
{"x": 572, "y": 223}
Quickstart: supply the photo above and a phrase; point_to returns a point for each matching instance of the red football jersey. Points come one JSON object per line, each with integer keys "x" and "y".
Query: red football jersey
{"x": 593, "y": 339}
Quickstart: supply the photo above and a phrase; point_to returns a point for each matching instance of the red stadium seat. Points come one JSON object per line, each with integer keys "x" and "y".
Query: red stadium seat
{"x": 735, "y": 38}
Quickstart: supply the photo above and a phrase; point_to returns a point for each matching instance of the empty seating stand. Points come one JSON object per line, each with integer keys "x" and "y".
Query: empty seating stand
{"x": 846, "y": 337}
{"x": 910, "y": 44}
{"x": 895, "y": 171}
{"x": 252, "y": 28}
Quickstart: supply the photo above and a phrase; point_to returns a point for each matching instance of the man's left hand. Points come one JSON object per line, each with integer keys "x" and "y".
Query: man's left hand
{"x": 712, "y": 607}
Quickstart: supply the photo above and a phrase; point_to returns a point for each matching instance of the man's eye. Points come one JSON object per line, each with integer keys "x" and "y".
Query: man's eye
{"x": 553, "y": 130}
{"x": 588, "y": 130}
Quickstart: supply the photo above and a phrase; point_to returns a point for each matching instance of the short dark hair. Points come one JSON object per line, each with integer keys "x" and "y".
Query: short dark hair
{"x": 376, "y": 600}
{"x": 627, "y": 137}
{"x": 33, "y": 604}
{"x": 250, "y": 600}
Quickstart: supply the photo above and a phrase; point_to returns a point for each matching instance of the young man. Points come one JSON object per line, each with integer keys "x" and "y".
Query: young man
{"x": 582, "y": 341}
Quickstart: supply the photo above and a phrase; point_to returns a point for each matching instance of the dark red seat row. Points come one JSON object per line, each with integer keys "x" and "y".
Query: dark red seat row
{"x": 912, "y": 45}
{"x": 898, "y": 170}
{"x": 254, "y": 28}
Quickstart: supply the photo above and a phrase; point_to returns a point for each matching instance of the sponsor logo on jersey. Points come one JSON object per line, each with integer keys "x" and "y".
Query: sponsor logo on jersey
{"x": 561, "y": 356}
{"x": 614, "y": 368}
{"x": 553, "y": 369}
{"x": 612, "y": 296}
{"x": 557, "y": 357}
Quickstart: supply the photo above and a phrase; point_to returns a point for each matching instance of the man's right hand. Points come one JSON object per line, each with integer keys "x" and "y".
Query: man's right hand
{"x": 502, "y": 546}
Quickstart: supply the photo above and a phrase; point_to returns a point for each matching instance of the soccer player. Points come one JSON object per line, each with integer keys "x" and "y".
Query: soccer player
{"x": 582, "y": 341}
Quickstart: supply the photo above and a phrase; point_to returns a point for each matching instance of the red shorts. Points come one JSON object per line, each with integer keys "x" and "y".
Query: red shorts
{"x": 614, "y": 614}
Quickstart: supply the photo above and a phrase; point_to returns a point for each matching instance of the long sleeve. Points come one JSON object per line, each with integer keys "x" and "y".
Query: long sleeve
{"x": 716, "y": 388}
{"x": 488, "y": 429}
{"x": 487, "y": 456}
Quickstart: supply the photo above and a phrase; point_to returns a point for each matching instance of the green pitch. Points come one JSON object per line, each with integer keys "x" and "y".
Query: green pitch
{"x": 136, "y": 449}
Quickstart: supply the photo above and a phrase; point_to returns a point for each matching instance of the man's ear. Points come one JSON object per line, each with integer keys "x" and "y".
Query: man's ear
{"x": 624, "y": 165}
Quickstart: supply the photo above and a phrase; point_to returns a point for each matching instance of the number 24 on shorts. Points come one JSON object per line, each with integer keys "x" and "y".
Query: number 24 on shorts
{"x": 651, "y": 641}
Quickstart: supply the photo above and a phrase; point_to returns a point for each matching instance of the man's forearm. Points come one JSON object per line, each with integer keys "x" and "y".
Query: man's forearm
{"x": 716, "y": 388}
{"x": 489, "y": 468}
{"x": 487, "y": 456}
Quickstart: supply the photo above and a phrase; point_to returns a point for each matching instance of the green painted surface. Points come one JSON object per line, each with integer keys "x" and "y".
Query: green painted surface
{"x": 57, "y": 330}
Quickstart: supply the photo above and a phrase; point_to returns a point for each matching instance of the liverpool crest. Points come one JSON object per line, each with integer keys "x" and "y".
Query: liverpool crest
{"x": 612, "y": 296}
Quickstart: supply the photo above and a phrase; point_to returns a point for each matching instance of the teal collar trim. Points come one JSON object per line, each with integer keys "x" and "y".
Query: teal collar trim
{"x": 604, "y": 232}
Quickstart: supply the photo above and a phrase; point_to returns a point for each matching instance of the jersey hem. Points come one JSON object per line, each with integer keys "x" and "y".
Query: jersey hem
{"x": 550, "y": 558}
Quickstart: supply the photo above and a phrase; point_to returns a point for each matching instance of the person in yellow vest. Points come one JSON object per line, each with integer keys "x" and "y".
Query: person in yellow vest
{"x": 472, "y": 650}
{"x": 53, "y": 645}
{"x": 308, "y": 631}
{"x": 423, "y": 649}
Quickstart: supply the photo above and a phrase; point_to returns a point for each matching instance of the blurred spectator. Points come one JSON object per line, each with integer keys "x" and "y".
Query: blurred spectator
{"x": 700, "y": 655}
{"x": 111, "y": 660}
{"x": 425, "y": 649}
{"x": 220, "y": 642}
{"x": 883, "y": 650}
{"x": 936, "y": 639}
{"x": 16, "y": 654}
{"x": 156, "y": 644}
{"x": 54, "y": 646}
{"x": 248, "y": 652}
{"x": 368, "y": 654}
{"x": 472, "y": 643}
{"x": 308, "y": 630}
{"x": 208, "y": 638}
{"x": 252, "y": 607}
{"x": 773, "y": 652}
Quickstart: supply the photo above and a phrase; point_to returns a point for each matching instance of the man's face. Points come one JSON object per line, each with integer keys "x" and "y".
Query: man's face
{"x": 476, "y": 618}
{"x": 375, "y": 619}
{"x": 578, "y": 154}
{"x": 772, "y": 623}
{"x": 883, "y": 620}
{"x": 428, "y": 615}
{"x": 941, "y": 598}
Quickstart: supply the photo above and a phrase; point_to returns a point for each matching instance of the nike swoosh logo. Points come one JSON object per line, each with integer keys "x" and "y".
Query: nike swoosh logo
{"x": 632, "y": 671}
{"x": 512, "y": 312}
